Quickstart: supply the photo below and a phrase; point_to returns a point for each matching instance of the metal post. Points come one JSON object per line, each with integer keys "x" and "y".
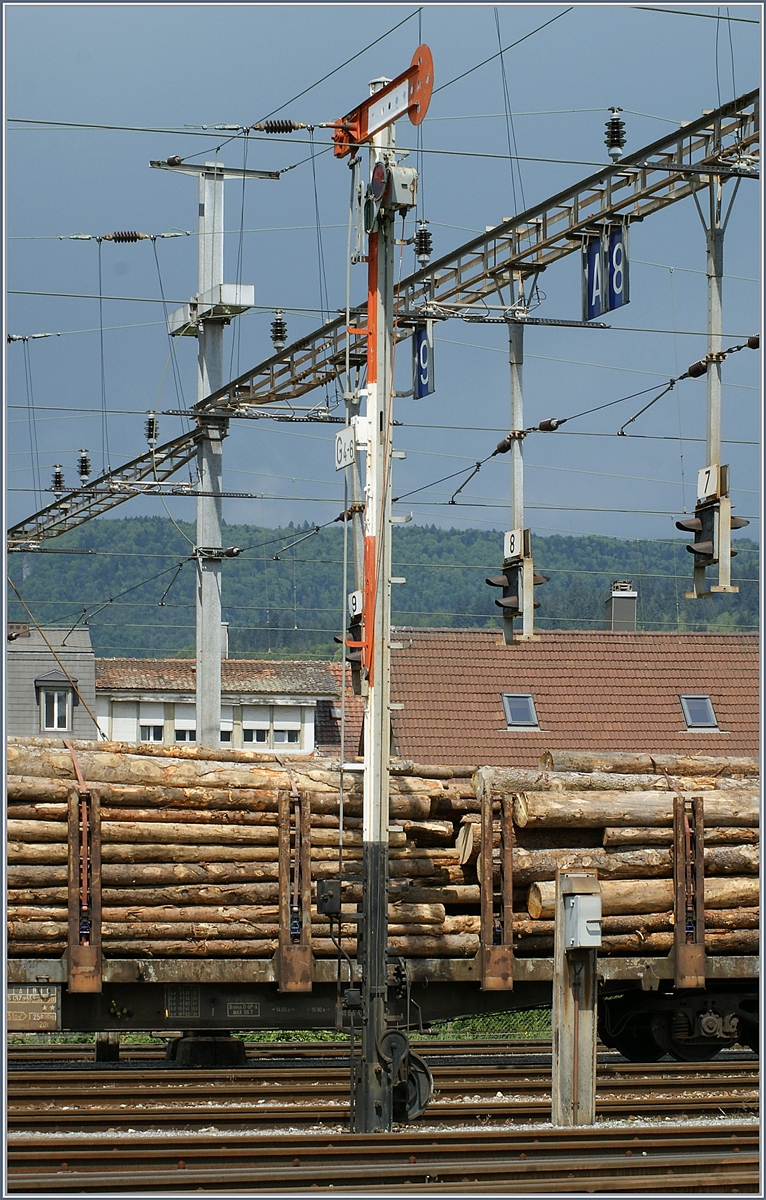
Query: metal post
{"x": 714, "y": 240}
{"x": 204, "y": 318}
{"x": 574, "y": 999}
{"x": 374, "y": 1098}
{"x": 209, "y": 466}
{"x": 516, "y": 361}
{"x": 357, "y": 504}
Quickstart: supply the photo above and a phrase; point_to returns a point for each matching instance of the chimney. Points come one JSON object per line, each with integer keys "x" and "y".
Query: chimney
{"x": 224, "y": 639}
{"x": 620, "y": 608}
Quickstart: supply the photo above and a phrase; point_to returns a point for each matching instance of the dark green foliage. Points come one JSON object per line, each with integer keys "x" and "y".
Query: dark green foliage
{"x": 292, "y": 605}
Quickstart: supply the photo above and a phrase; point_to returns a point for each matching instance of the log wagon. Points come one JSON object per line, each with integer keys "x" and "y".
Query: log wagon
{"x": 182, "y": 889}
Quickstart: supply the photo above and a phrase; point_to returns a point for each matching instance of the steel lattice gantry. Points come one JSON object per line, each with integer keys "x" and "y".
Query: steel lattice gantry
{"x": 140, "y": 477}
{"x": 723, "y": 142}
{"x": 660, "y": 174}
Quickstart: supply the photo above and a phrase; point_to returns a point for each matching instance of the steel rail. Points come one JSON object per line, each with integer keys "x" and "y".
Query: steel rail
{"x": 296, "y": 1052}
{"x": 74, "y": 1099}
{"x": 598, "y": 1158}
{"x": 304, "y": 1078}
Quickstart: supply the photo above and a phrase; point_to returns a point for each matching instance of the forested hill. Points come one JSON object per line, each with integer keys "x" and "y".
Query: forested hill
{"x": 136, "y": 600}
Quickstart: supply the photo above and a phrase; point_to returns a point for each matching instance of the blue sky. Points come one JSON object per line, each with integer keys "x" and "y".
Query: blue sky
{"x": 179, "y": 67}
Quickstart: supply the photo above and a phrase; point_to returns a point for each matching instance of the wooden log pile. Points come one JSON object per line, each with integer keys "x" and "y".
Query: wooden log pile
{"x": 190, "y": 859}
{"x": 613, "y": 814}
{"x": 190, "y": 854}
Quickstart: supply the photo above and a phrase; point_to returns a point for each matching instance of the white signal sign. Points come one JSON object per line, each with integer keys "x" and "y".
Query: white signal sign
{"x": 707, "y": 482}
{"x": 423, "y": 361}
{"x": 355, "y": 604}
{"x": 513, "y": 543}
{"x": 345, "y": 447}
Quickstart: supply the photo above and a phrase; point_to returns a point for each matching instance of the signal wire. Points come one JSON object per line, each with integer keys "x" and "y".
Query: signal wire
{"x": 512, "y": 149}
{"x": 171, "y": 342}
{"x": 34, "y": 449}
{"x": 105, "y": 457}
{"x": 492, "y": 57}
{"x": 237, "y": 338}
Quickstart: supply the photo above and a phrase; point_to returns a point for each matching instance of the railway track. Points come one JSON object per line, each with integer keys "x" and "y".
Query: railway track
{"x": 26, "y": 1052}
{"x": 714, "y": 1158}
{"x": 516, "y": 1087}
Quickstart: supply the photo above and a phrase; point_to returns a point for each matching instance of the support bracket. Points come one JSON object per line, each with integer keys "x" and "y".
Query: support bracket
{"x": 496, "y": 927}
{"x": 689, "y": 891}
{"x": 294, "y": 958}
{"x": 84, "y": 924}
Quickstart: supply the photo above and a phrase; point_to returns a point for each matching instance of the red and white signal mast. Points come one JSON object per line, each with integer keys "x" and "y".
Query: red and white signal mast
{"x": 382, "y": 1074}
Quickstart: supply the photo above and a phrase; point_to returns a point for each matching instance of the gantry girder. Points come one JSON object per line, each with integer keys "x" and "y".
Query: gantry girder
{"x": 660, "y": 174}
{"x": 656, "y": 176}
{"x": 110, "y": 489}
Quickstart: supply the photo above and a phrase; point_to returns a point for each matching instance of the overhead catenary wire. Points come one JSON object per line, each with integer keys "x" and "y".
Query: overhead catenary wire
{"x": 340, "y": 66}
{"x": 683, "y": 12}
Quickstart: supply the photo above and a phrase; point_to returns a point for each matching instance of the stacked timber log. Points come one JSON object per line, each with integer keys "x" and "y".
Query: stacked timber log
{"x": 190, "y": 857}
{"x": 613, "y": 814}
{"x": 190, "y": 860}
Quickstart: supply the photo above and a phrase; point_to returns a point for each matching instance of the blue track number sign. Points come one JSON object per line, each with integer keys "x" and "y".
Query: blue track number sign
{"x": 605, "y": 272}
{"x": 593, "y": 280}
{"x": 423, "y": 361}
{"x": 617, "y": 268}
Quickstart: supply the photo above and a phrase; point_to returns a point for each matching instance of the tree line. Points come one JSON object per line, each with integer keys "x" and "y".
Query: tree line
{"x": 131, "y": 580}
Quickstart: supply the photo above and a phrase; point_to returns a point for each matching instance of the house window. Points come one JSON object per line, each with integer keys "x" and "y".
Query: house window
{"x": 227, "y": 723}
{"x": 290, "y": 737}
{"x": 272, "y": 725}
{"x": 255, "y": 735}
{"x": 185, "y": 722}
{"x": 519, "y": 710}
{"x": 152, "y": 733}
{"x": 55, "y": 708}
{"x": 698, "y": 712}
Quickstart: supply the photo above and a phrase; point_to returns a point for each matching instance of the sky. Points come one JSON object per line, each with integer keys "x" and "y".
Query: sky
{"x": 167, "y": 71}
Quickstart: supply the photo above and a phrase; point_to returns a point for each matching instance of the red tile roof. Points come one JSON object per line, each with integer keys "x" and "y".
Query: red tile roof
{"x": 592, "y": 690}
{"x": 302, "y": 677}
{"x": 327, "y": 726}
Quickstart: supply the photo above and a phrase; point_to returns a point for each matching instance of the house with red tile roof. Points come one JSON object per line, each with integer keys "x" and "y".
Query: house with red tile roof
{"x": 468, "y": 698}
{"x": 277, "y": 706}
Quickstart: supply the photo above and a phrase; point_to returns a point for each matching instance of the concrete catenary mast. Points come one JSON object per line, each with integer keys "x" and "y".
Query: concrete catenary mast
{"x": 205, "y": 318}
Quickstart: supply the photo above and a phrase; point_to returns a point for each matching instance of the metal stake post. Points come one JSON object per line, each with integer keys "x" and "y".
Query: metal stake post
{"x": 577, "y": 933}
{"x": 374, "y": 1101}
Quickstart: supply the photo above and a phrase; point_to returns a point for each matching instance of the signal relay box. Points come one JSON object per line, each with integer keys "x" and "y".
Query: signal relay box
{"x": 582, "y": 921}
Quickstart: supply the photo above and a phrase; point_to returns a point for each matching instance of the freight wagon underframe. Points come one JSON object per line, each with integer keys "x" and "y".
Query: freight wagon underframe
{"x": 641, "y": 1012}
